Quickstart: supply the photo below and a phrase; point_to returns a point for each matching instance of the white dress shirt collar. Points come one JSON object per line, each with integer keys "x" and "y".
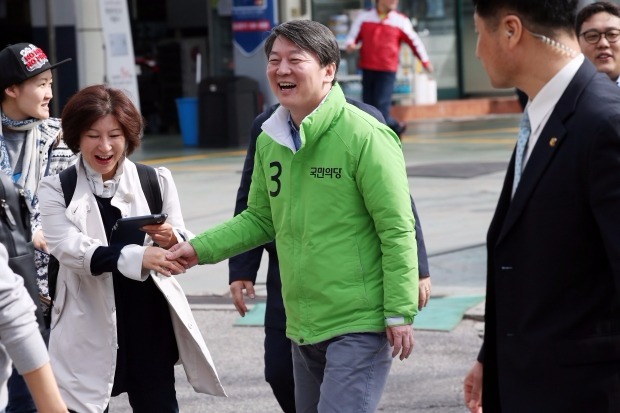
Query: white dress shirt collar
{"x": 540, "y": 108}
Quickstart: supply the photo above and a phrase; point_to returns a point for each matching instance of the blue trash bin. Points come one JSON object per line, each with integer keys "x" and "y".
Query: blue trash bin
{"x": 188, "y": 120}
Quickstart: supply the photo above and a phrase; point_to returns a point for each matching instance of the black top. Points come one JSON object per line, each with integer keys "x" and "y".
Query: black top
{"x": 147, "y": 348}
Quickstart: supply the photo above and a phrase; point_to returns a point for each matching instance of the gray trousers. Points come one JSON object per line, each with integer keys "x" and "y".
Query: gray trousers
{"x": 346, "y": 374}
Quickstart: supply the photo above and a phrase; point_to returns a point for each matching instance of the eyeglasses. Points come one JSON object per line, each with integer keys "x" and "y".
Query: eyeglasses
{"x": 594, "y": 36}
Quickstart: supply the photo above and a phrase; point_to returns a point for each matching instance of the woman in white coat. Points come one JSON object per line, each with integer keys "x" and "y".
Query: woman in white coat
{"x": 120, "y": 321}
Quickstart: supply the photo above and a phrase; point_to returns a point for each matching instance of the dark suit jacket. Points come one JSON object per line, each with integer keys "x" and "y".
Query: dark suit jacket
{"x": 245, "y": 266}
{"x": 552, "y": 333}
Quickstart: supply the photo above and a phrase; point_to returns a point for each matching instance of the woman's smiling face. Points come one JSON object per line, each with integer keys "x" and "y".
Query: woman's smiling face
{"x": 103, "y": 145}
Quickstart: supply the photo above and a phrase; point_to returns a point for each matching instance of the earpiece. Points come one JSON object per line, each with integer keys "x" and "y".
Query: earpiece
{"x": 508, "y": 33}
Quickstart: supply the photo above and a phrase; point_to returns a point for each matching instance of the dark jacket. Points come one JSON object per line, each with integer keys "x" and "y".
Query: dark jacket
{"x": 552, "y": 331}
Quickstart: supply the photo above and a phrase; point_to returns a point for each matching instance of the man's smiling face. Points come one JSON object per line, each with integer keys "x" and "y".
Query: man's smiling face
{"x": 297, "y": 79}
{"x": 604, "y": 54}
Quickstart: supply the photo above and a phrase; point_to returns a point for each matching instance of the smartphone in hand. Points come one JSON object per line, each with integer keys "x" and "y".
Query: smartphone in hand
{"x": 127, "y": 231}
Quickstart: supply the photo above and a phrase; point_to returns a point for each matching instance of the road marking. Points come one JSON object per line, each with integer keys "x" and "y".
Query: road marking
{"x": 422, "y": 132}
{"x": 202, "y": 168}
{"x": 473, "y": 136}
{"x": 412, "y": 137}
{"x": 189, "y": 158}
{"x": 488, "y": 141}
{"x": 477, "y": 135}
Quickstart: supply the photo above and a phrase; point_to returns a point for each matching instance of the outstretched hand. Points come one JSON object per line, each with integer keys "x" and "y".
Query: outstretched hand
{"x": 154, "y": 258}
{"x": 184, "y": 253}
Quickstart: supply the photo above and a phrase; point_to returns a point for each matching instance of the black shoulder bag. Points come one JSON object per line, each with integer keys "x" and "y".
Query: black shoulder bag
{"x": 16, "y": 236}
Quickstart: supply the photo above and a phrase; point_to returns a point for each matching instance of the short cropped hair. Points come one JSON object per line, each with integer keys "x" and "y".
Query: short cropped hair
{"x": 310, "y": 36}
{"x": 595, "y": 8}
{"x": 543, "y": 17}
{"x": 92, "y": 103}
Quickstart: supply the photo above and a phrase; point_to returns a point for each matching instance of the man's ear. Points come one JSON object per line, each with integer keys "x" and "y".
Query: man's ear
{"x": 330, "y": 72}
{"x": 511, "y": 28}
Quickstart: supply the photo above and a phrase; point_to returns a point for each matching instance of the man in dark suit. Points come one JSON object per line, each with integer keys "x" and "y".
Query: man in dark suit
{"x": 243, "y": 271}
{"x": 552, "y": 332}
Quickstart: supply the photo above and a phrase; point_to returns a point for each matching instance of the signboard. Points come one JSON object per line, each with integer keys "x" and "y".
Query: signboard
{"x": 120, "y": 66}
{"x": 251, "y": 22}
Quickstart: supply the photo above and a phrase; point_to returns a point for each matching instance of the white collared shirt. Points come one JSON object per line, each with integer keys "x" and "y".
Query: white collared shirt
{"x": 540, "y": 108}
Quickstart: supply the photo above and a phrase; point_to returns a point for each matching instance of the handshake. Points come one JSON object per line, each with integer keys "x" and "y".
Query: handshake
{"x": 174, "y": 261}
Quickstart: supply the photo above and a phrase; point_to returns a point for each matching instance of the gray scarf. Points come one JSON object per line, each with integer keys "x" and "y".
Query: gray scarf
{"x": 29, "y": 178}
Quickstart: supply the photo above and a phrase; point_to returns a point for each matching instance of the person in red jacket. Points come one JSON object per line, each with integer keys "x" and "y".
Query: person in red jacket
{"x": 381, "y": 31}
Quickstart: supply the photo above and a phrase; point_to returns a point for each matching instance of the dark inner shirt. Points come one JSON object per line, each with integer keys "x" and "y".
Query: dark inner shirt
{"x": 147, "y": 348}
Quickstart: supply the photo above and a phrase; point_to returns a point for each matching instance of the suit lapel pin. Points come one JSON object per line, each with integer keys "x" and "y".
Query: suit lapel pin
{"x": 553, "y": 141}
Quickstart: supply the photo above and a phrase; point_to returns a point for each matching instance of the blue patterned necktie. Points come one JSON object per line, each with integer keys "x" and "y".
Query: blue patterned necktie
{"x": 524, "y": 135}
{"x": 296, "y": 139}
{"x": 294, "y": 134}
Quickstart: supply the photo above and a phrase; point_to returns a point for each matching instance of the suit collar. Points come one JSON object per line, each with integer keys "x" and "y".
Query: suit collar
{"x": 547, "y": 98}
{"x": 549, "y": 142}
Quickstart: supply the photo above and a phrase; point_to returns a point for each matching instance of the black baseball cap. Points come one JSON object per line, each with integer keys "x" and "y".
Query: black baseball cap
{"x": 21, "y": 61}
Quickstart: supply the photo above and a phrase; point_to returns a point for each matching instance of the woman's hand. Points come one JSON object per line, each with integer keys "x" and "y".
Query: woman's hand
{"x": 162, "y": 234}
{"x": 155, "y": 259}
{"x": 38, "y": 240}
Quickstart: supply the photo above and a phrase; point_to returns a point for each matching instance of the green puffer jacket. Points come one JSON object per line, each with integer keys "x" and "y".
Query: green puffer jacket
{"x": 340, "y": 211}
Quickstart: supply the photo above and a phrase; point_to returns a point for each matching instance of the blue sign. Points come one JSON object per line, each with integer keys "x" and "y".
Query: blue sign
{"x": 252, "y": 21}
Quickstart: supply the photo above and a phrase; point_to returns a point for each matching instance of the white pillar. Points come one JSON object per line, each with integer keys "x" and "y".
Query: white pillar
{"x": 89, "y": 43}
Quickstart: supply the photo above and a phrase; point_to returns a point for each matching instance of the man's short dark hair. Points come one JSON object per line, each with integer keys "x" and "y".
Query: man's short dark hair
{"x": 595, "y": 8}
{"x": 310, "y": 36}
{"x": 543, "y": 17}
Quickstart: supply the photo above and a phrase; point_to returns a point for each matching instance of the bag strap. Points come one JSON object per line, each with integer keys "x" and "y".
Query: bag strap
{"x": 148, "y": 181}
{"x": 68, "y": 180}
{"x": 150, "y": 187}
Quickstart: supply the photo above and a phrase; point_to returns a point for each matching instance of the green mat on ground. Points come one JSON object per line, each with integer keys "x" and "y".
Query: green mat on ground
{"x": 445, "y": 313}
{"x": 442, "y": 314}
{"x": 254, "y": 317}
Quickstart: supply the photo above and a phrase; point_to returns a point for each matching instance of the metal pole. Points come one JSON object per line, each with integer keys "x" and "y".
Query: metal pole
{"x": 51, "y": 51}
{"x": 211, "y": 30}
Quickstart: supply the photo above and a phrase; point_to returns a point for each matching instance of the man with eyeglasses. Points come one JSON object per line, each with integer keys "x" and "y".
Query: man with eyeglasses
{"x": 598, "y": 28}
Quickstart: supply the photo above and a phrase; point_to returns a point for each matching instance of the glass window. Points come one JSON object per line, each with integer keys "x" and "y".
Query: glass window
{"x": 435, "y": 22}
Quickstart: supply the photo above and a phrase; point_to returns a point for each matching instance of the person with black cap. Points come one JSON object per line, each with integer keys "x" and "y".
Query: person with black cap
{"x": 31, "y": 147}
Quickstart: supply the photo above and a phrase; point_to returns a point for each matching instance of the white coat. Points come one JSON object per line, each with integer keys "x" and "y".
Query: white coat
{"x": 84, "y": 340}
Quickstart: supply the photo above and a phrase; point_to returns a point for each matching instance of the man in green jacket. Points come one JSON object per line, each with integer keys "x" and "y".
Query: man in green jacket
{"x": 329, "y": 184}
